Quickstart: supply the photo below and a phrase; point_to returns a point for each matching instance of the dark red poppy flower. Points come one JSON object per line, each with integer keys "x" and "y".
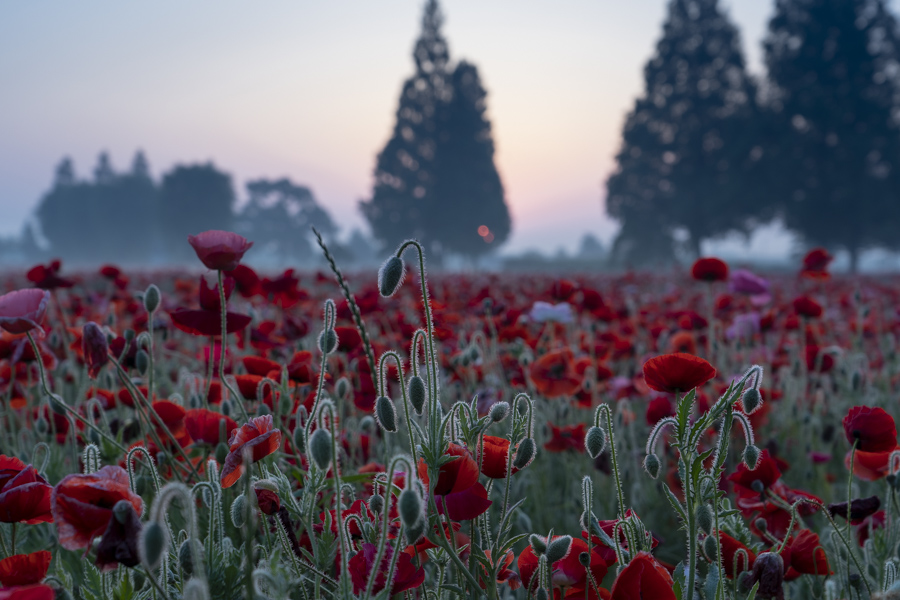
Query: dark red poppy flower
{"x": 568, "y": 572}
{"x": 95, "y": 348}
{"x": 643, "y": 577}
{"x": 808, "y": 554}
{"x": 872, "y": 429}
{"x": 554, "y": 374}
{"x": 23, "y": 310}
{"x": 259, "y": 436}
{"x": 207, "y": 426}
{"x": 206, "y": 322}
{"x": 677, "y": 372}
{"x": 219, "y": 250}
{"x": 733, "y": 561}
{"x": 709, "y": 269}
{"x": 458, "y": 486}
{"x": 39, "y": 591}
{"x": 246, "y": 280}
{"x": 25, "y": 569}
{"x": 267, "y": 500}
{"x": 47, "y": 276}
{"x": 119, "y": 543}
{"x": 257, "y": 365}
{"x": 869, "y": 466}
{"x": 815, "y": 264}
{"x": 110, "y": 271}
{"x": 566, "y": 437}
{"x": 766, "y": 474}
{"x": 505, "y": 574}
{"x": 24, "y": 495}
{"x": 82, "y": 504}
{"x": 807, "y": 307}
{"x": 817, "y": 359}
{"x": 659, "y": 408}
{"x": 173, "y": 416}
{"x": 406, "y": 575}
{"x": 495, "y": 457}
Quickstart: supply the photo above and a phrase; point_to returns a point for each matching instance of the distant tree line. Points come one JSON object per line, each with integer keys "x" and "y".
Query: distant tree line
{"x": 129, "y": 217}
{"x": 708, "y": 150}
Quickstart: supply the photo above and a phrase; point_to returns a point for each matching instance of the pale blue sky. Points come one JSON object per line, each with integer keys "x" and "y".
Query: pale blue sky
{"x": 308, "y": 90}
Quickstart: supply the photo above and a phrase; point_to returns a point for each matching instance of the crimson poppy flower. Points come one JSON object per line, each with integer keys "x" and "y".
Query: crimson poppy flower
{"x": 643, "y": 577}
{"x": 257, "y": 365}
{"x": 495, "y": 457}
{"x": 567, "y": 572}
{"x": 817, "y": 360}
{"x": 659, "y": 408}
{"x": 25, "y": 569}
{"x": 94, "y": 347}
{"x": 118, "y": 545}
{"x": 206, "y": 426}
{"x": 172, "y": 416}
{"x": 219, "y": 250}
{"x": 23, "y": 310}
{"x": 677, "y": 372}
{"x": 458, "y": 486}
{"x": 766, "y": 473}
{"x": 82, "y": 504}
{"x": 505, "y": 574}
{"x": 807, "y": 307}
{"x": 259, "y": 436}
{"x": 24, "y": 495}
{"x": 47, "y": 276}
{"x": 110, "y": 271}
{"x": 808, "y": 555}
{"x": 567, "y": 437}
{"x": 709, "y": 269}
{"x": 733, "y": 562}
{"x": 267, "y": 500}
{"x": 39, "y": 591}
{"x": 872, "y": 429}
{"x": 554, "y": 374}
{"x": 869, "y": 466}
{"x": 207, "y": 321}
{"x": 406, "y": 575}
{"x": 815, "y": 264}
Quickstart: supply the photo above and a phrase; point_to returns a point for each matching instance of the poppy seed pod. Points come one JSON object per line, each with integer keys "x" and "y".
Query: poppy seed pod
{"x": 221, "y": 452}
{"x": 499, "y": 412}
{"x": 151, "y": 299}
{"x": 328, "y": 341}
{"x": 390, "y": 276}
{"x": 386, "y": 414}
{"x": 751, "y": 456}
{"x": 95, "y": 348}
{"x": 558, "y": 549}
{"x": 418, "y": 394}
{"x": 153, "y": 544}
{"x": 320, "y": 448}
{"x": 239, "y": 511}
{"x": 409, "y": 505}
{"x": 525, "y": 453}
{"x": 751, "y": 400}
{"x": 595, "y": 442}
{"x": 651, "y": 465}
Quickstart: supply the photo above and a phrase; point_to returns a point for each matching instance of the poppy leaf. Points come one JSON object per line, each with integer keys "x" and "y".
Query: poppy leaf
{"x": 676, "y": 504}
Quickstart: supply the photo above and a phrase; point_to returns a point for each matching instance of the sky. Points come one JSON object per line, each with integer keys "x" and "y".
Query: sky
{"x": 308, "y": 90}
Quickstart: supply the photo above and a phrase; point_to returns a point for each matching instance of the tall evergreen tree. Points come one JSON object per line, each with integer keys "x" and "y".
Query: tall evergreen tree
{"x": 834, "y": 69}
{"x": 689, "y": 141}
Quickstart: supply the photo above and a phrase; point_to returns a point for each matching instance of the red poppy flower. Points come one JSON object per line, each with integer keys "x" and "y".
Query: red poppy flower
{"x": 110, "y": 271}
{"x": 567, "y": 437}
{"x": 25, "y": 569}
{"x": 872, "y": 429}
{"x": 677, "y": 372}
{"x": 766, "y": 473}
{"x": 23, "y": 310}
{"x": 207, "y": 322}
{"x": 808, "y": 554}
{"x": 815, "y": 264}
{"x": 24, "y": 495}
{"x": 505, "y": 574}
{"x": 458, "y": 486}
{"x": 256, "y": 365}
{"x": 643, "y": 577}
{"x": 869, "y": 466}
{"x": 406, "y": 575}
{"x": 47, "y": 276}
{"x": 206, "y": 426}
{"x": 554, "y": 374}
{"x": 732, "y": 562}
{"x": 659, "y": 408}
{"x": 94, "y": 347}
{"x": 568, "y": 572}
{"x": 173, "y": 416}
{"x": 817, "y": 360}
{"x": 219, "y": 250}
{"x": 495, "y": 457}
{"x": 807, "y": 307}
{"x": 267, "y": 500}
{"x": 82, "y": 504}
{"x": 28, "y": 592}
{"x": 709, "y": 269}
{"x": 259, "y": 436}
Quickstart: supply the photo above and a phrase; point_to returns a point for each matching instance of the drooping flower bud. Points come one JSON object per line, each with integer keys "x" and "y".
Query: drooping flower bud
{"x": 328, "y": 341}
{"x": 95, "y": 348}
{"x": 710, "y": 549}
{"x": 239, "y": 511}
{"x": 705, "y": 517}
{"x": 651, "y": 465}
{"x": 151, "y": 299}
{"x": 418, "y": 394}
{"x": 376, "y": 503}
{"x": 342, "y": 388}
{"x": 751, "y": 400}
{"x": 768, "y": 571}
{"x": 390, "y": 276}
{"x": 409, "y": 505}
{"x": 595, "y": 442}
{"x": 751, "y": 456}
{"x": 538, "y": 544}
{"x": 558, "y": 549}
{"x": 142, "y": 361}
{"x": 320, "y": 448}
{"x": 386, "y": 414}
{"x": 153, "y": 544}
{"x": 525, "y": 454}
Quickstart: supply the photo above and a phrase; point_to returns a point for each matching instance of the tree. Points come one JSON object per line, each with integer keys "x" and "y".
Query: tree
{"x": 139, "y": 165}
{"x": 194, "y": 198}
{"x": 689, "y": 141}
{"x": 833, "y": 65}
{"x": 103, "y": 172}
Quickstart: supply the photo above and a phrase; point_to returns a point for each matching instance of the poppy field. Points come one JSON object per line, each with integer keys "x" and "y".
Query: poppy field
{"x": 219, "y": 433}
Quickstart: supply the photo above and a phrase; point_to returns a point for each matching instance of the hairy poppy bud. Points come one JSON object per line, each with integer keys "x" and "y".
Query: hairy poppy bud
{"x": 195, "y": 589}
{"x": 299, "y": 440}
{"x": 328, "y": 341}
{"x": 151, "y": 299}
{"x": 525, "y": 453}
{"x": 751, "y": 456}
{"x": 367, "y": 423}
{"x": 499, "y": 411}
{"x": 57, "y": 404}
{"x": 538, "y": 544}
{"x": 95, "y": 348}
{"x": 595, "y": 442}
{"x": 751, "y": 400}
{"x": 415, "y": 533}
{"x": 409, "y": 506}
{"x": 153, "y": 544}
{"x": 239, "y": 511}
{"x": 262, "y": 410}
{"x": 651, "y": 465}
{"x": 390, "y": 276}
{"x": 386, "y": 414}
{"x": 710, "y": 548}
{"x": 558, "y": 549}
{"x": 185, "y": 558}
{"x": 320, "y": 448}
{"x": 128, "y": 334}
{"x": 221, "y": 452}
{"x": 376, "y": 503}
{"x": 585, "y": 559}
{"x": 417, "y": 393}
{"x": 41, "y": 425}
{"x": 342, "y": 388}
{"x": 705, "y": 517}
{"x": 541, "y": 594}
{"x": 142, "y": 361}
{"x": 227, "y": 408}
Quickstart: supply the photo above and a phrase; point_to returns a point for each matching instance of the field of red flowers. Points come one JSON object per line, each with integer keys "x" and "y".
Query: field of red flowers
{"x": 223, "y": 434}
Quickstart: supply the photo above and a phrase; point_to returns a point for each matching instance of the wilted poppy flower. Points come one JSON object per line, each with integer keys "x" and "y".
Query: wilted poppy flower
{"x": 24, "y": 495}
{"x": 95, "y": 348}
{"x": 567, "y": 572}
{"x": 406, "y": 575}
{"x": 82, "y": 504}
{"x": 643, "y": 577}
{"x": 206, "y": 426}
{"x": 259, "y": 436}
{"x": 768, "y": 572}
{"x": 118, "y": 546}
{"x": 219, "y": 250}
{"x": 554, "y": 374}
{"x": 38, "y": 591}
{"x": 458, "y": 485}
{"x": 872, "y": 429}
{"x": 23, "y": 310}
{"x": 709, "y": 269}
{"x": 677, "y": 372}
{"x": 25, "y": 569}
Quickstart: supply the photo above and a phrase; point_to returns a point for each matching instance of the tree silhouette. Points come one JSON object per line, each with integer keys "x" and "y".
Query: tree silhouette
{"x": 194, "y": 198}
{"x": 689, "y": 141}
{"x": 834, "y": 68}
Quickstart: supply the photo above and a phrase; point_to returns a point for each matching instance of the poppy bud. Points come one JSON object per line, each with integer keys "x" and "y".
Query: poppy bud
{"x": 185, "y": 558}
{"x": 227, "y": 408}
{"x": 328, "y": 341}
{"x": 267, "y": 496}
{"x": 705, "y": 517}
{"x": 122, "y": 511}
{"x": 95, "y": 348}
{"x": 768, "y": 571}
{"x": 262, "y": 410}
{"x": 558, "y": 549}
{"x": 415, "y": 533}
{"x": 153, "y": 544}
{"x": 151, "y": 299}
{"x": 417, "y": 393}
{"x": 595, "y": 442}
{"x": 367, "y": 423}
{"x": 128, "y": 334}
{"x": 57, "y": 404}
{"x": 541, "y": 594}
{"x": 195, "y": 589}
{"x": 390, "y": 276}
{"x": 41, "y": 425}
{"x": 585, "y": 559}
{"x": 751, "y": 456}
{"x": 751, "y": 400}
{"x": 285, "y": 404}
{"x": 376, "y": 503}
{"x": 525, "y": 453}
{"x": 386, "y": 414}
{"x": 221, "y": 452}
{"x": 651, "y": 465}
{"x": 710, "y": 549}
{"x": 538, "y": 544}
{"x": 142, "y": 361}
{"x": 499, "y": 411}
{"x": 761, "y": 524}
{"x": 320, "y": 448}
{"x": 299, "y": 440}
{"x": 410, "y": 508}
{"x": 239, "y": 511}
{"x": 342, "y": 388}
